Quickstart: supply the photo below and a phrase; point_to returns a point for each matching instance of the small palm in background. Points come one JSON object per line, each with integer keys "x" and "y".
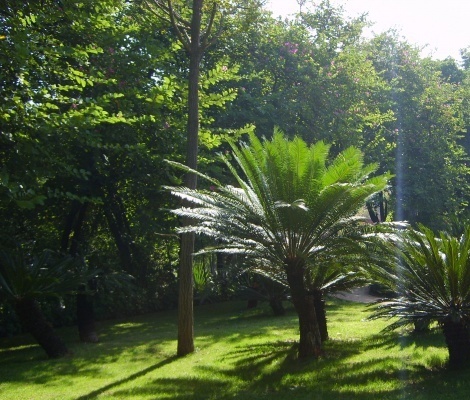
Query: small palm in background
{"x": 27, "y": 277}
{"x": 431, "y": 277}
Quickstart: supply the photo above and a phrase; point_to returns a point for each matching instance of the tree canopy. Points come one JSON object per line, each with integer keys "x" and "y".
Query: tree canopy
{"x": 95, "y": 97}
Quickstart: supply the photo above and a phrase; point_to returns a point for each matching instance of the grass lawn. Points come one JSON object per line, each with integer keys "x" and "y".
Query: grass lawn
{"x": 241, "y": 354}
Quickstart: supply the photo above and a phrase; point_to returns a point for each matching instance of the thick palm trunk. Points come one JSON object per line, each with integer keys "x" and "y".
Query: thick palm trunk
{"x": 304, "y": 303}
{"x": 320, "y": 311}
{"x": 33, "y": 321}
{"x": 458, "y": 343}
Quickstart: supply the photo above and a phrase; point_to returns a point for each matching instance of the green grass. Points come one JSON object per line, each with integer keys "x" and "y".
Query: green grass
{"x": 241, "y": 354}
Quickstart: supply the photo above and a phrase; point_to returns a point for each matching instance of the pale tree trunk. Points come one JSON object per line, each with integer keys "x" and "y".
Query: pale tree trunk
{"x": 304, "y": 304}
{"x": 185, "y": 297}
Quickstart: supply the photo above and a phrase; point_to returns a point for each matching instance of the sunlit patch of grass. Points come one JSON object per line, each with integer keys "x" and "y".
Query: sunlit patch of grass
{"x": 240, "y": 354}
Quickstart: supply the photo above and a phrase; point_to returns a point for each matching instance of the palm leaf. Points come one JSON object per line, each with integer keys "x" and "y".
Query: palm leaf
{"x": 289, "y": 203}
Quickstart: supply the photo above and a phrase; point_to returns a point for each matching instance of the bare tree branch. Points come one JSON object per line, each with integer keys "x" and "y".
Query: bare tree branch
{"x": 168, "y": 11}
{"x": 182, "y": 34}
{"x": 206, "y": 34}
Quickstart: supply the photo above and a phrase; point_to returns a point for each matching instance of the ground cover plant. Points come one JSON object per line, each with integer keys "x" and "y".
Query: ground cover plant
{"x": 240, "y": 354}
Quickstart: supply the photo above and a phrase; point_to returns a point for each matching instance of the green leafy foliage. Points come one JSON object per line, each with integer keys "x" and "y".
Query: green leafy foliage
{"x": 431, "y": 279}
{"x": 292, "y": 204}
{"x": 26, "y": 275}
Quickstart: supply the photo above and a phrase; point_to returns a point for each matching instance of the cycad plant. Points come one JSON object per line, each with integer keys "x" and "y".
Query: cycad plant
{"x": 26, "y": 278}
{"x": 288, "y": 208}
{"x": 431, "y": 278}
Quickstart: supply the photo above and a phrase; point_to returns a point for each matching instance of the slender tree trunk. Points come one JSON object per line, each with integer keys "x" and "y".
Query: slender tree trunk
{"x": 86, "y": 317}
{"x": 33, "y": 321}
{"x": 276, "y": 306}
{"x": 320, "y": 311}
{"x": 124, "y": 250}
{"x": 458, "y": 343}
{"x": 221, "y": 274}
{"x": 185, "y": 297}
{"x": 72, "y": 240}
{"x": 304, "y": 304}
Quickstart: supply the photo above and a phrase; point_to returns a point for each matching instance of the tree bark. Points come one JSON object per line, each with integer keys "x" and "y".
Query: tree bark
{"x": 276, "y": 306}
{"x": 304, "y": 304}
{"x": 458, "y": 342}
{"x": 33, "y": 321}
{"x": 72, "y": 239}
{"x": 320, "y": 311}
{"x": 119, "y": 235}
{"x": 185, "y": 297}
{"x": 86, "y": 317}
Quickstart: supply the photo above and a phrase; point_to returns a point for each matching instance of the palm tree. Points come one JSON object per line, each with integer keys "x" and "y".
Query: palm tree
{"x": 431, "y": 278}
{"x": 24, "y": 279}
{"x": 290, "y": 209}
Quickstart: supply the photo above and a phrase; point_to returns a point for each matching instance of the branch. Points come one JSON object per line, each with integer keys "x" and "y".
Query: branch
{"x": 168, "y": 10}
{"x": 215, "y": 38}
{"x": 168, "y": 235}
{"x": 182, "y": 35}
{"x": 174, "y": 19}
{"x": 205, "y": 41}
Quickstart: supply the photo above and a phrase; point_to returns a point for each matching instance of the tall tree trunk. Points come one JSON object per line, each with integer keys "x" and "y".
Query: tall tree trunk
{"x": 33, "y": 321}
{"x": 320, "y": 311}
{"x": 72, "y": 239}
{"x": 185, "y": 297}
{"x": 276, "y": 305}
{"x": 119, "y": 236}
{"x": 86, "y": 316}
{"x": 304, "y": 304}
{"x": 458, "y": 343}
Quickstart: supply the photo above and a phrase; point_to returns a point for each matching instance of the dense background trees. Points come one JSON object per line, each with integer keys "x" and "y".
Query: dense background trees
{"x": 94, "y": 100}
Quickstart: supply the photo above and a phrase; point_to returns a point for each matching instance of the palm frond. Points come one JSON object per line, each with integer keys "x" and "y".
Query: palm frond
{"x": 289, "y": 203}
{"x": 27, "y": 274}
{"x": 431, "y": 276}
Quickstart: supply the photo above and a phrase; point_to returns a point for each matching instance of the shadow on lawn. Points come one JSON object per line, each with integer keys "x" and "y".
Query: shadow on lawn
{"x": 266, "y": 370}
{"x": 418, "y": 340}
{"x": 139, "y": 374}
{"x": 271, "y": 370}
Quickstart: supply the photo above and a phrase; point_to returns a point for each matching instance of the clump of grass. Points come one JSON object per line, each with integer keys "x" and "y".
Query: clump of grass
{"x": 240, "y": 354}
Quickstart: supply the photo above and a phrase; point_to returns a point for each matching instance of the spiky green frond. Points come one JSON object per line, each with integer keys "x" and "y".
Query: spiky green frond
{"x": 431, "y": 277}
{"x": 290, "y": 203}
{"x": 37, "y": 275}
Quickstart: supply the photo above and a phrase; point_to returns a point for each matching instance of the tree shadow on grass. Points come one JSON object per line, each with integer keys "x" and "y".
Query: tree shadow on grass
{"x": 127, "y": 340}
{"x": 271, "y": 370}
{"x": 178, "y": 388}
{"x": 420, "y": 340}
{"x": 115, "y": 384}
